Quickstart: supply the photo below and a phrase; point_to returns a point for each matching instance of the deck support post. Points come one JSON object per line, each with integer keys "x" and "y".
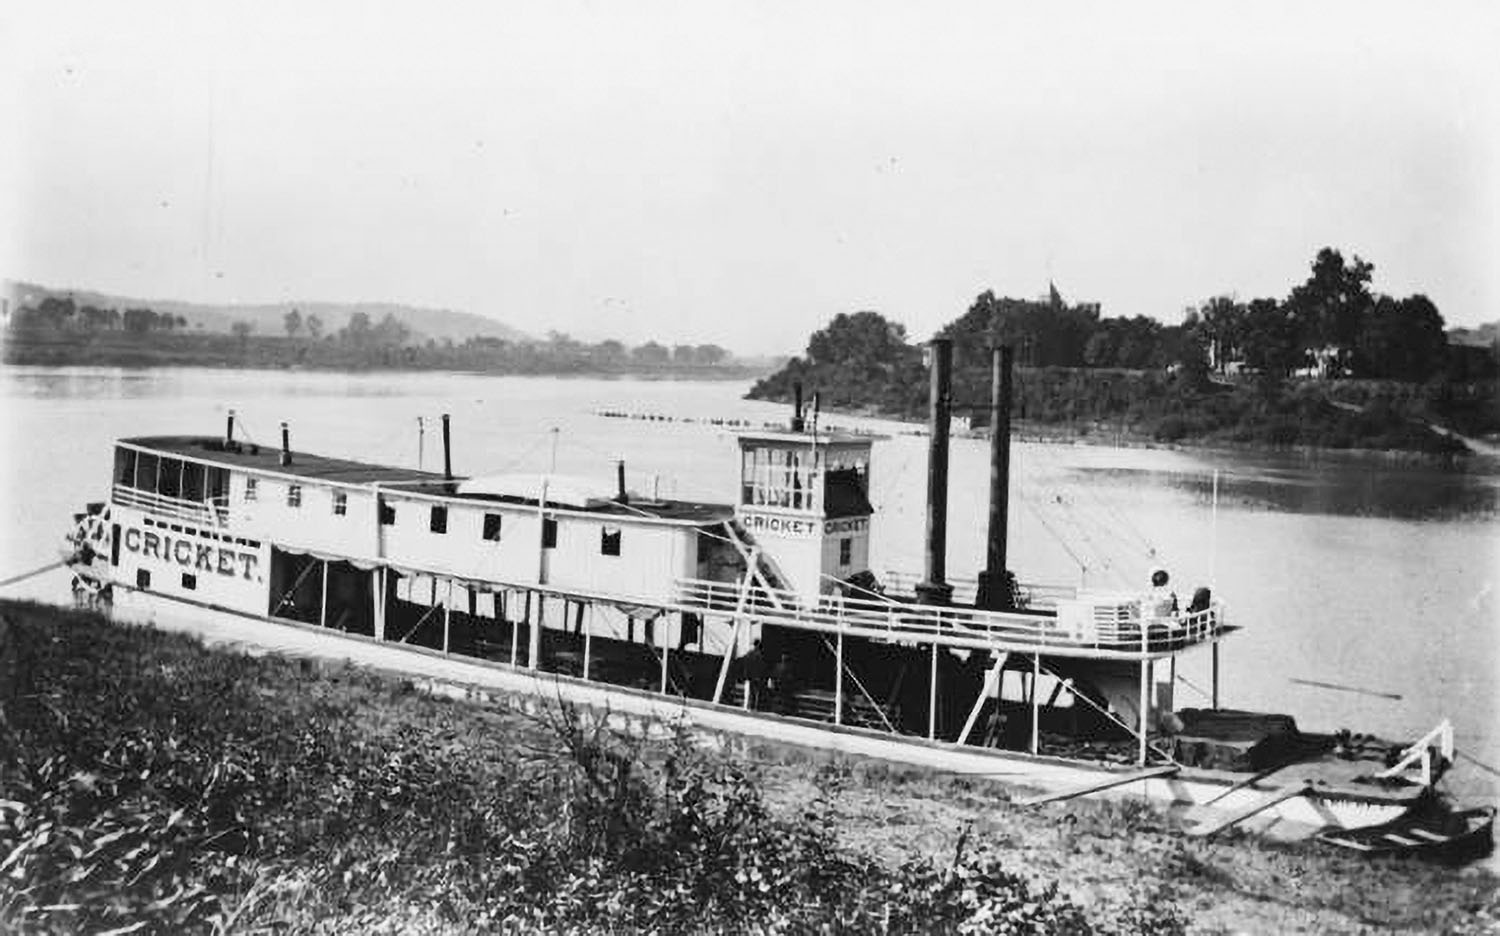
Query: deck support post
{"x": 1036, "y": 729}
{"x": 323, "y": 598}
{"x": 666, "y": 652}
{"x": 447, "y": 615}
{"x": 932, "y": 695}
{"x": 1214, "y": 699}
{"x": 515, "y": 631}
{"x": 991, "y": 687}
{"x": 378, "y": 585}
{"x": 588, "y": 638}
{"x": 838, "y": 677}
{"x": 534, "y": 642}
{"x": 1142, "y": 719}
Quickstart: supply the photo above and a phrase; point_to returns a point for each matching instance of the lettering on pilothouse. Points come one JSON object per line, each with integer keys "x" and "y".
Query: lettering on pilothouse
{"x": 199, "y": 556}
{"x": 803, "y": 527}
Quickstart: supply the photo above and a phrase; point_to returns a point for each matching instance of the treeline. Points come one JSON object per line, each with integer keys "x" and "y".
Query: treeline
{"x": 1267, "y": 372}
{"x": 58, "y": 332}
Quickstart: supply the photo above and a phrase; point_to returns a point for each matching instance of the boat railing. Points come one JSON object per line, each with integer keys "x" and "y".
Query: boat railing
{"x": 206, "y": 512}
{"x": 1036, "y": 595}
{"x": 1121, "y": 631}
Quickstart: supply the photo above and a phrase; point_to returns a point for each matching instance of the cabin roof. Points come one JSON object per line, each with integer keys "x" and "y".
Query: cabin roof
{"x": 786, "y": 436}
{"x": 268, "y": 458}
{"x": 344, "y": 471}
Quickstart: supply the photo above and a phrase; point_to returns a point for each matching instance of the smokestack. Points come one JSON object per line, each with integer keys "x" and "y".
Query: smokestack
{"x": 934, "y": 589}
{"x": 993, "y": 591}
{"x": 447, "y": 452}
{"x": 621, "y": 496}
{"x": 286, "y": 445}
{"x": 797, "y": 406}
{"x": 229, "y": 430}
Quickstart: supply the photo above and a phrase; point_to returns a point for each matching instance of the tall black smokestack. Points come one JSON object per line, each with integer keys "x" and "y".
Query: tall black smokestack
{"x": 447, "y": 452}
{"x": 994, "y": 590}
{"x": 934, "y": 588}
{"x": 797, "y": 406}
{"x": 620, "y": 494}
{"x": 229, "y": 431}
{"x": 286, "y": 445}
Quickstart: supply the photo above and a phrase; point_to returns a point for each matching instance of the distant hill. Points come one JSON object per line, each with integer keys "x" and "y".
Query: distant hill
{"x": 267, "y": 317}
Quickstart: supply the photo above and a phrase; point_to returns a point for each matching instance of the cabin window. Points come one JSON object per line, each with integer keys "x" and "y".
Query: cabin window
{"x": 609, "y": 541}
{"x": 142, "y": 578}
{"x": 340, "y": 503}
{"x": 549, "y": 533}
{"x": 192, "y": 481}
{"x": 189, "y": 581}
{"x": 169, "y": 478}
{"x": 439, "y": 521}
{"x": 492, "y": 527}
{"x": 218, "y": 484}
{"x": 251, "y": 484}
{"x": 125, "y": 467}
{"x": 387, "y": 514}
{"x": 294, "y": 495}
{"x": 846, "y": 551}
{"x": 145, "y": 472}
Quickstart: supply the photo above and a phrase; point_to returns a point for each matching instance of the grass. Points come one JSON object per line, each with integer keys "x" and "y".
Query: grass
{"x": 148, "y": 784}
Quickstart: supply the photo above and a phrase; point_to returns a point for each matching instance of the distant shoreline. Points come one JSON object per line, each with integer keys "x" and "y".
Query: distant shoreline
{"x": 220, "y": 352}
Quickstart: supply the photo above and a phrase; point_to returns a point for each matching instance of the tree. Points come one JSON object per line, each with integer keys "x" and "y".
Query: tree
{"x": 651, "y": 353}
{"x": 391, "y": 332}
{"x": 1332, "y": 306}
{"x": 1269, "y": 339}
{"x": 139, "y": 321}
{"x": 242, "y": 330}
{"x": 711, "y": 354}
{"x": 1224, "y": 327}
{"x": 357, "y": 331}
{"x": 292, "y": 322}
{"x": 314, "y": 326}
{"x": 1402, "y": 340}
{"x": 684, "y": 354}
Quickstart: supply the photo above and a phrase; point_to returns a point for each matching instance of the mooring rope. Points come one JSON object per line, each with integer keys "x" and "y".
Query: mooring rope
{"x": 33, "y": 573}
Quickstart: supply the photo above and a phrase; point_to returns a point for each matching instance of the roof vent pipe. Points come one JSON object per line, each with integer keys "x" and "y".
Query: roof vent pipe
{"x": 447, "y": 452}
{"x": 934, "y": 589}
{"x": 286, "y": 446}
{"x": 621, "y": 496}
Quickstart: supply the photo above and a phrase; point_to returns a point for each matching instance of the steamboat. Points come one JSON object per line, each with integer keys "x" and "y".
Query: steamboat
{"x": 760, "y": 617}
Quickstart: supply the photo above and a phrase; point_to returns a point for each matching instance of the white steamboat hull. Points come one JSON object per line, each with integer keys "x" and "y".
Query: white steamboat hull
{"x": 1201, "y": 794}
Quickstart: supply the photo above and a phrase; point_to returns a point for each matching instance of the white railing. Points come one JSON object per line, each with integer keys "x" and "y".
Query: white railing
{"x": 214, "y": 512}
{"x": 952, "y": 625}
{"x": 1038, "y": 597}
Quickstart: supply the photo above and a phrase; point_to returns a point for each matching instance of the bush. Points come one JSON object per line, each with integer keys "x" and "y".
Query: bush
{"x": 159, "y": 787}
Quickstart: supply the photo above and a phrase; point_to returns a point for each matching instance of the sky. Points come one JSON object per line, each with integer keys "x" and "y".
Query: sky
{"x": 739, "y": 173}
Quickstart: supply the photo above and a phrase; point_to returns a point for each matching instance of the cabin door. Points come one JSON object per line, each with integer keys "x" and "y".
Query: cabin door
{"x": 549, "y": 543}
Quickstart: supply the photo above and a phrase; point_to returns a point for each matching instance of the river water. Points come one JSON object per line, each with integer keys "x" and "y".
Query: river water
{"x": 1362, "y": 573}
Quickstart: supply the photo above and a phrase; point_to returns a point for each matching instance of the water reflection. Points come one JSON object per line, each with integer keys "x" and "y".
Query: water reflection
{"x": 1346, "y": 487}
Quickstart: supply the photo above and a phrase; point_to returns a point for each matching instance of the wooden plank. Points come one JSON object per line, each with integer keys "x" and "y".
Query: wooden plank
{"x": 1095, "y": 786}
{"x": 1290, "y": 791}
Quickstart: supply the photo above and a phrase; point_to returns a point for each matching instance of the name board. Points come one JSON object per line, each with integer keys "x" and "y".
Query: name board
{"x": 802, "y": 527}
{"x": 191, "y": 554}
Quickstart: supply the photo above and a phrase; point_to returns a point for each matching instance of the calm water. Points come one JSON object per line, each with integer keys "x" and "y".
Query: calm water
{"x": 1345, "y": 571}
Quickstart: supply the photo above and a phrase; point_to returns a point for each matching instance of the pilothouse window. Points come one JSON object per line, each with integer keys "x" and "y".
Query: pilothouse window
{"x": 125, "y": 467}
{"x": 145, "y": 472}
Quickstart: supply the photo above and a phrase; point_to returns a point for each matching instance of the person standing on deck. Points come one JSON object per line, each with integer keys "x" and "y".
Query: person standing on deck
{"x": 753, "y": 673}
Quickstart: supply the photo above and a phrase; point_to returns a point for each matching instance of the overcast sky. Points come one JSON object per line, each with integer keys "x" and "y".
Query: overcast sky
{"x": 741, "y": 172}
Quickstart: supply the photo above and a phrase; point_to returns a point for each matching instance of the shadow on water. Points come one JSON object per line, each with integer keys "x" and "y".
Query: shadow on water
{"x": 1334, "y": 485}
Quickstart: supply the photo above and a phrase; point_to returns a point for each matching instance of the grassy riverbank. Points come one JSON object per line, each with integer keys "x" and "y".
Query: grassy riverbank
{"x": 148, "y": 780}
